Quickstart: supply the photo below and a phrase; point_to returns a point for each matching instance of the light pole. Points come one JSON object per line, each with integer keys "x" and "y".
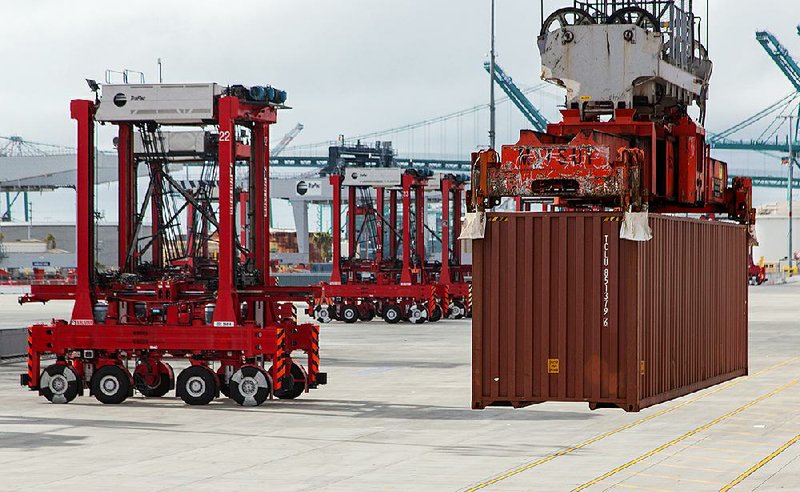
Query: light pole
{"x": 491, "y": 89}
{"x": 790, "y": 186}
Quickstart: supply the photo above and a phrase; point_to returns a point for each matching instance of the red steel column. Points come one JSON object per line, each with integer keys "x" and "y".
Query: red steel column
{"x": 419, "y": 198}
{"x": 83, "y": 311}
{"x": 405, "y": 274}
{"x": 227, "y": 298}
{"x": 379, "y": 225}
{"x": 155, "y": 246}
{"x": 336, "y": 219}
{"x": 457, "y": 200}
{"x": 393, "y": 221}
{"x": 190, "y": 239}
{"x": 261, "y": 200}
{"x": 351, "y": 221}
{"x": 127, "y": 195}
{"x": 444, "y": 277}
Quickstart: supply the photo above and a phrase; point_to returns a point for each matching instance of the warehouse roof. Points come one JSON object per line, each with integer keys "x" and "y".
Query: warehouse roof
{"x": 50, "y": 171}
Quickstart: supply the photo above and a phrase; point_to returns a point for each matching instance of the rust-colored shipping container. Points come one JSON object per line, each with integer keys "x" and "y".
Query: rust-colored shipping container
{"x": 564, "y": 310}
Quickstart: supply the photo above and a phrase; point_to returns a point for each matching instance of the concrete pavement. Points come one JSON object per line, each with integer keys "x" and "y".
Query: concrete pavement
{"x": 395, "y": 416}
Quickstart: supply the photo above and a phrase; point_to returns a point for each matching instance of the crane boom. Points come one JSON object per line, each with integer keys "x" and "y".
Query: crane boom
{"x": 514, "y": 93}
{"x": 780, "y": 55}
{"x": 286, "y": 140}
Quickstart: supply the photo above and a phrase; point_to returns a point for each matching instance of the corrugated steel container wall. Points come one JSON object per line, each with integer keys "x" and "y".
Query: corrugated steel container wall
{"x": 566, "y": 311}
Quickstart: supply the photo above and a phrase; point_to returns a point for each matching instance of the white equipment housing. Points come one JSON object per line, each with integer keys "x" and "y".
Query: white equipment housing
{"x": 164, "y": 103}
{"x": 607, "y": 66}
{"x": 176, "y": 144}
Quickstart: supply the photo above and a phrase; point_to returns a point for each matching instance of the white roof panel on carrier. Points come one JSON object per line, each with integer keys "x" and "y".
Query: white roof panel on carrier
{"x": 163, "y": 103}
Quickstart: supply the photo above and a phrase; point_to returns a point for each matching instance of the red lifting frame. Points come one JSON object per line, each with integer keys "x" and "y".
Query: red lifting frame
{"x": 230, "y": 338}
{"x": 83, "y": 310}
{"x": 409, "y": 184}
{"x": 423, "y": 284}
{"x": 452, "y": 278}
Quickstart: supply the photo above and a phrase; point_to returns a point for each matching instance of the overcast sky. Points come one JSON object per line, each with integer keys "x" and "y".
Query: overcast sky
{"x": 349, "y": 67}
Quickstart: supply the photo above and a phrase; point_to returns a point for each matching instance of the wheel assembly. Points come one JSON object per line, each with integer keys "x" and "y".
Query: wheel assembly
{"x": 636, "y": 16}
{"x": 112, "y": 384}
{"x": 366, "y": 311}
{"x": 436, "y": 313}
{"x": 349, "y": 313}
{"x": 224, "y": 374}
{"x": 197, "y": 385}
{"x": 250, "y": 386}
{"x": 456, "y": 310}
{"x": 153, "y": 379}
{"x": 323, "y": 313}
{"x": 59, "y": 384}
{"x": 566, "y": 17}
{"x": 417, "y": 314}
{"x": 391, "y": 314}
{"x": 298, "y": 384}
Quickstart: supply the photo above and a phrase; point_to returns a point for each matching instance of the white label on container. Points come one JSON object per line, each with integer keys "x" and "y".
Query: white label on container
{"x": 606, "y": 294}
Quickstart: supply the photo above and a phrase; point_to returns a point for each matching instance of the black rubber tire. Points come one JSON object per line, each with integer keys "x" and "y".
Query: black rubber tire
{"x": 166, "y": 382}
{"x": 59, "y": 383}
{"x": 299, "y": 386}
{"x": 224, "y": 386}
{"x": 250, "y": 386}
{"x": 436, "y": 314}
{"x": 111, "y": 385}
{"x": 349, "y": 313}
{"x": 392, "y": 314}
{"x": 197, "y": 385}
{"x": 420, "y": 320}
{"x": 463, "y": 309}
{"x": 323, "y": 314}
{"x": 367, "y": 312}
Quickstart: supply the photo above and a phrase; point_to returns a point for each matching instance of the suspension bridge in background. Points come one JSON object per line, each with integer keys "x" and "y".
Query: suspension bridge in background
{"x": 444, "y": 143}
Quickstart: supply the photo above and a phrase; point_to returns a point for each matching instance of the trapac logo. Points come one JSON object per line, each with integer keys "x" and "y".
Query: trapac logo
{"x": 308, "y": 188}
{"x": 121, "y": 99}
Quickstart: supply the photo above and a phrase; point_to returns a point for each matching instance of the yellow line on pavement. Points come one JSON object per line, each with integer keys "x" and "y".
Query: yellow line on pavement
{"x": 685, "y": 436}
{"x": 761, "y": 463}
{"x": 599, "y": 437}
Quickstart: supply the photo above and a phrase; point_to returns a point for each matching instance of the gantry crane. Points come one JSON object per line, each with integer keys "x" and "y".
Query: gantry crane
{"x": 780, "y": 55}
{"x": 174, "y": 294}
{"x": 791, "y": 69}
{"x": 286, "y": 140}
{"x": 514, "y": 93}
{"x": 626, "y": 140}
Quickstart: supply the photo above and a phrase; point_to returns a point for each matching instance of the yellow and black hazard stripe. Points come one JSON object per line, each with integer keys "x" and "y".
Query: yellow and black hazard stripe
{"x": 281, "y": 358}
{"x": 498, "y": 219}
{"x": 32, "y": 373}
{"x": 313, "y": 354}
{"x": 431, "y": 299}
{"x": 615, "y": 218}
